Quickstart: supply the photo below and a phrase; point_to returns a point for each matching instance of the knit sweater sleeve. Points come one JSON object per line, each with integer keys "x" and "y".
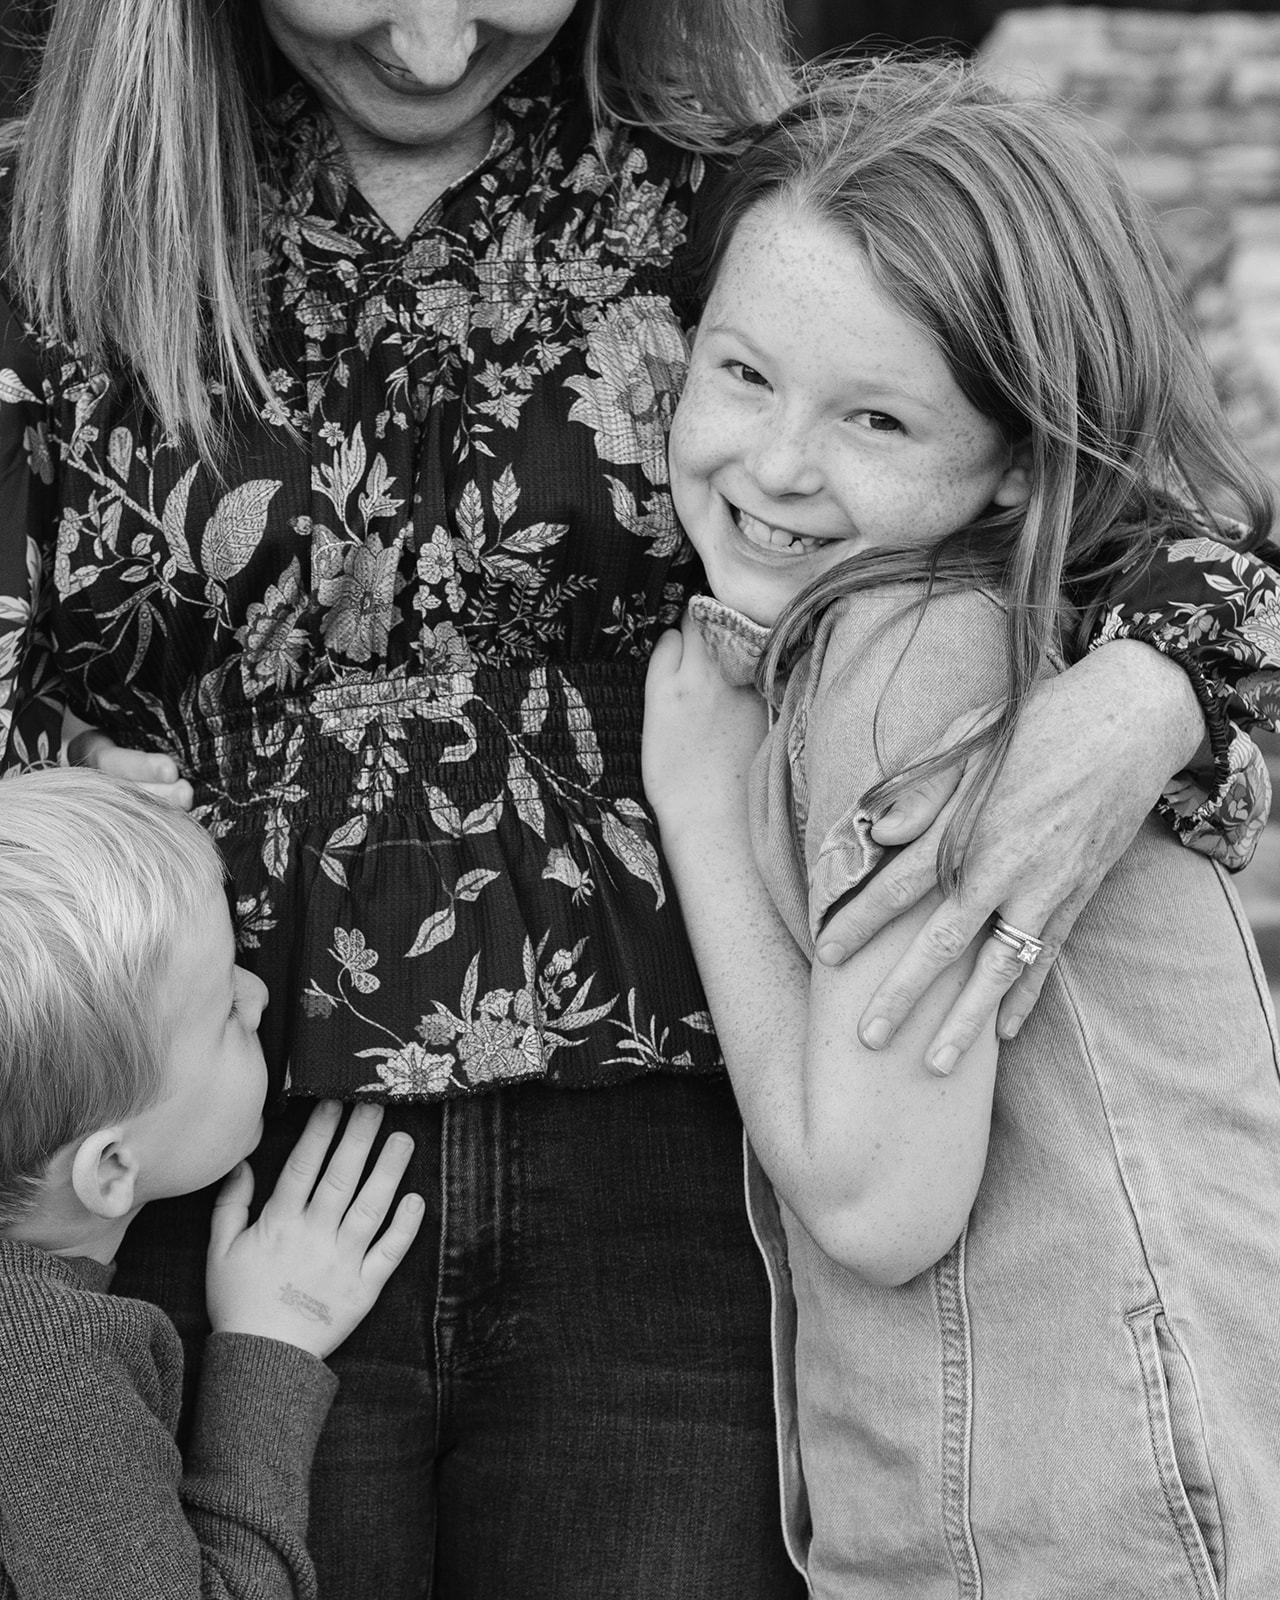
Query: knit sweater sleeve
{"x": 94, "y": 1499}
{"x": 245, "y": 1489}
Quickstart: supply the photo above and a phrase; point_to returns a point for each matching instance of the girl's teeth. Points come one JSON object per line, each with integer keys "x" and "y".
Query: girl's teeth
{"x": 768, "y": 537}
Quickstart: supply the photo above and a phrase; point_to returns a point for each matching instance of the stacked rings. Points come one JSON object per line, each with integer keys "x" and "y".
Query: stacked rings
{"x": 1024, "y": 945}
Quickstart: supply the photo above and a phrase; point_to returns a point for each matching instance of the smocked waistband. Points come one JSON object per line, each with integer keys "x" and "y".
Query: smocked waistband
{"x": 572, "y": 728}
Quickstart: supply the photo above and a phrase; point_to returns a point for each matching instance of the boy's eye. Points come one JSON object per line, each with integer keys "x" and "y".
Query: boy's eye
{"x": 877, "y": 421}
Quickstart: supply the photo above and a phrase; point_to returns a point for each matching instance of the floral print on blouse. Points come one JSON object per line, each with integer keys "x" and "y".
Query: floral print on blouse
{"x": 399, "y": 644}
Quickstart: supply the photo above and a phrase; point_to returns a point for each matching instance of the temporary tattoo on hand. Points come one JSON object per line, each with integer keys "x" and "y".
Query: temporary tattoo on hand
{"x": 309, "y": 1306}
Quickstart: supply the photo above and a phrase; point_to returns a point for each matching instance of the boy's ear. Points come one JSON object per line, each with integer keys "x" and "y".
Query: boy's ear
{"x": 104, "y": 1173}
{"x": 1014, "y": 489}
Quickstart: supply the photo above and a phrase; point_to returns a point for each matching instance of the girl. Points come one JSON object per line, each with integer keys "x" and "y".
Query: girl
{"x": 1022, "y": 1321}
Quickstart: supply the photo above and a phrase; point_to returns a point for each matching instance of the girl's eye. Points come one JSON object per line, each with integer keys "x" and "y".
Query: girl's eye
{"x": 878, "y": 421}
{"x": 746, "y": 374}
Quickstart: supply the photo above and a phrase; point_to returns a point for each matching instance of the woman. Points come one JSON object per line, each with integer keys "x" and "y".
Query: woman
{"x": 358, "y": 475}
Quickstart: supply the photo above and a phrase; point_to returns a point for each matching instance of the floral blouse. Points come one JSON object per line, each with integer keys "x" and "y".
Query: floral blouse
{"x": 399, "y": 644}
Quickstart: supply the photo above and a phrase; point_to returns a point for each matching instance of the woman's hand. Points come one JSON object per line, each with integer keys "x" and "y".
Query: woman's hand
{"x": 700, "y": 733}
{"x": 157, "y": 774}
{"x": 1093, "y": 751}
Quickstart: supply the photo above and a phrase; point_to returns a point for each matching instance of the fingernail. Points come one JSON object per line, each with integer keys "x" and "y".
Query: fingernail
{"x": 943, "y": 1060}
{"x": 877, "y": 1032}
{"x": 1009, "y": 1029}
{"x": 831, "y": 954}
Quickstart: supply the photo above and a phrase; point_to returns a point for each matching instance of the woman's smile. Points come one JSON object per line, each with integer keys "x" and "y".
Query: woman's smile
{"x": 401, "y": 81}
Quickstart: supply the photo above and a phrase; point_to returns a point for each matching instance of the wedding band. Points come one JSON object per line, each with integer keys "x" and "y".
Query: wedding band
{"x": 1024, "y": 945}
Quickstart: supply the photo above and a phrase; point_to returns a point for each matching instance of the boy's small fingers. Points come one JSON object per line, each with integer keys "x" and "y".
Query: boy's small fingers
{"x": 390, "y": 1250}
{"x": 373, "y": 1200}
{"x": 342, "y": 1173}
{"x": 302, "y": 1168}
{"x": 231, "y": 1208}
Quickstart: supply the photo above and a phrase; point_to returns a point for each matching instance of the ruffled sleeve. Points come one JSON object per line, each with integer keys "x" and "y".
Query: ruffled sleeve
{"x": 920, "y": 672}
{"x": 30, "y": 695}
{"x": 1216, "y": 612}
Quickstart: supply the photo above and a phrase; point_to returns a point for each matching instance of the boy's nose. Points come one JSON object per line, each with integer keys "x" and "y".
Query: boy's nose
{"x": 256, "y": 995}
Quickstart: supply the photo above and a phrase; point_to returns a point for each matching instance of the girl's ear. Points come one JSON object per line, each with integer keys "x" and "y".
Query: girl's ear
{"x": 104, "y": 1173}
{"x": 1014, "y": 489}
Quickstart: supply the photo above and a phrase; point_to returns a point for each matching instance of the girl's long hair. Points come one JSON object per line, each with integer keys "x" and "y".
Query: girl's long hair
{"x": 1002, "y": 228}
{"x": 136, "y": 212}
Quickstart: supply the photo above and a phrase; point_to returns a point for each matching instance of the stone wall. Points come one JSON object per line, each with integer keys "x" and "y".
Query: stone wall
{"x": 1191, "y": 107}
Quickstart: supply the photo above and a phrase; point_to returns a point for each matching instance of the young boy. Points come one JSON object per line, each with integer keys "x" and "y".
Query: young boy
{"x": 130, "y": 1069}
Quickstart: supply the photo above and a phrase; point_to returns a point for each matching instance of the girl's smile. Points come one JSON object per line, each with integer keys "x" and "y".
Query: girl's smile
{"x": 766, "y": 536}
{"x": 819, "y": 420}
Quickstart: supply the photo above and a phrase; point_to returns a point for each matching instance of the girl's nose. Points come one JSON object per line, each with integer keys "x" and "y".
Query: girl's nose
{"x": 434, "y": 40}
{"x": 783, "y": 461}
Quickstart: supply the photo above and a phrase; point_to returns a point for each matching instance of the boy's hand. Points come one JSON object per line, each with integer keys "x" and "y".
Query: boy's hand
{"x": 307, "y": 1271}
{"x": 700, "y": 733}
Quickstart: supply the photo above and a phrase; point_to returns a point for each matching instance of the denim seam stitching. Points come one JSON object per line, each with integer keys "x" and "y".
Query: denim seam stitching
{"x": 957, "y": 1418}
{"x": 1255, "y": 969}
{"x": 1121, "y": 1171}
{"x": 1191, "y": 1540}
{"x": 797, "y": 1562}
{"x": 1135, "y": 1218}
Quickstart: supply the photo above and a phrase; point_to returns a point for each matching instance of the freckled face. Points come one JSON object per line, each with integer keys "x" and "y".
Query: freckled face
{"x": 819, "y": 420}
{"x": 412, "y": 72}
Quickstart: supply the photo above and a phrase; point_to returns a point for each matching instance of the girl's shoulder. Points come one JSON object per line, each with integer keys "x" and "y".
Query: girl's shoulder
{"x": 952, "y": 643}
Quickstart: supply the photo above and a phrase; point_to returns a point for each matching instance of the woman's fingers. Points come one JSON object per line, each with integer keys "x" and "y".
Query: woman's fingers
{"x": 1017, "y": 1003}
{"x": 997, "y": 970}
{"x": 916, "y": 809}
{"x": 944, "y": 938}
{"x": 900, "y": 883}
{"x": 157, "y": 774}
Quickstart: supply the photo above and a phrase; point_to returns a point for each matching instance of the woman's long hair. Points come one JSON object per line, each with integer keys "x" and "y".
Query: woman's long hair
{"x": 1002, "y": 228}
{"x": 135, "y": 211}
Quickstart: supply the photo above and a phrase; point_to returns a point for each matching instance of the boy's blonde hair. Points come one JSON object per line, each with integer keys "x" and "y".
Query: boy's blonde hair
{"x": 98, "y": 882}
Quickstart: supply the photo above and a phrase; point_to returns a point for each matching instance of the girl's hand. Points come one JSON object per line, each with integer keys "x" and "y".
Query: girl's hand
{"x": 700, "y": 733}
{"x": 1093, "y": 751}
{"x": 308, "y": 1270}
{"x": 157, "y": 774}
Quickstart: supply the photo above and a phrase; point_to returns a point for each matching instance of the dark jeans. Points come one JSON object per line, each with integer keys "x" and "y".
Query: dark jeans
{"x": 564, "y": 1392}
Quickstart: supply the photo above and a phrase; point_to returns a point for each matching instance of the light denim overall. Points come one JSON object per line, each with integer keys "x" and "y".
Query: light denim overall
{"x": 1082, "y": 1399}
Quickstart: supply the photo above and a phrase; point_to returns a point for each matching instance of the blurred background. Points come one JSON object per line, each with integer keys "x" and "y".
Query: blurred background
{"x": 830, "y": 24}
{"x": 1187, "y": 95}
